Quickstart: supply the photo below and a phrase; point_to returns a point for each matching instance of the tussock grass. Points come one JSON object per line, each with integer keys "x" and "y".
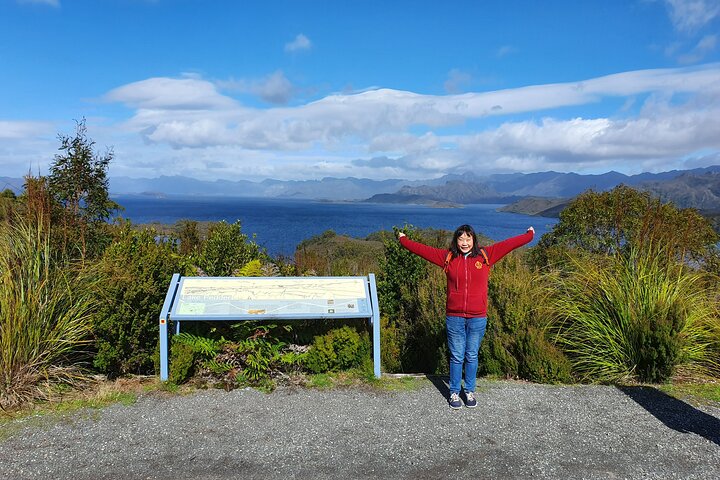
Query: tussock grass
{"x": 637, "y": 316}
{"x": 45, "y": 315}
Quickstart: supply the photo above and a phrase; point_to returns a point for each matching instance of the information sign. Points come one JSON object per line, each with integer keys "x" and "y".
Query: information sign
{"x": 315, "y": 297}
{"x": 266, "y": 298}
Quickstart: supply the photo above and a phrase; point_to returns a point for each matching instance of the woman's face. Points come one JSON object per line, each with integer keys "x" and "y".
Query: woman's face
{"x": 465, "y": 242}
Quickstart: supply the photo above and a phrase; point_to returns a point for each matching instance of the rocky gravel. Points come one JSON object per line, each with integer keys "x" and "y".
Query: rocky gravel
{"x": 518, "y": 430}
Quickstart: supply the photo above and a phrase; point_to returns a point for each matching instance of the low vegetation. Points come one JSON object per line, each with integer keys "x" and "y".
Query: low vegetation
{"x": 623, "y": 289}
{"x": 518, "y": 343}
{"x": 637, "y": 317}
{"x": 46, "y": 304}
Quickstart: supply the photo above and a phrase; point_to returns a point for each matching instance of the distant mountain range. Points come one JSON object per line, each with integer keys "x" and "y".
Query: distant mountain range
{"x": 698, "y": 188}
{"x": 688, "y": 190}
{"x": 455, "y": 188}
{"x": 326, "y": 189}
{"x": 547, "y": 193}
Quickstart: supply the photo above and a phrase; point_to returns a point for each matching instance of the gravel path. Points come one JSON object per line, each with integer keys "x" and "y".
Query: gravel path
{"x": 518, "y": 431}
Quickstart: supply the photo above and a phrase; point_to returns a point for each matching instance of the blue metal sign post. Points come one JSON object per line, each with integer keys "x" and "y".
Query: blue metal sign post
{"x": 268, "y": 298}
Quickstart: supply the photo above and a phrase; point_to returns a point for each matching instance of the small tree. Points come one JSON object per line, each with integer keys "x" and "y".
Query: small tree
{"x": 226, "y": 250}
{"x": 188, "y": 234}
{"x": 609, "y": 223}
{"x": 78, "y": 182}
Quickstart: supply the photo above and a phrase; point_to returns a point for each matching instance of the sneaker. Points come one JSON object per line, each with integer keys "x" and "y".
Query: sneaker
{"x": 454, "y": 401}
{"x": 470, "y": 401}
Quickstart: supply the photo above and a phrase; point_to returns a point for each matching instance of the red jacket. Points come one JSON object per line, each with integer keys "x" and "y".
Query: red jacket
{"x": 467, "y": 277}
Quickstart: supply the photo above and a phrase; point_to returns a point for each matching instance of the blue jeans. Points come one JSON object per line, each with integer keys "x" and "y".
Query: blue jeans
{"x": 464, "y": 337}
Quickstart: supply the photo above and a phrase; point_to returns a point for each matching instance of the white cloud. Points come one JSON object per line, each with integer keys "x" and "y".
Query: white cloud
{"x": 384, "y": 132}
{"x": 707, "y": 43}
{"x": 26, "y": 147}
{"x": 301, "y": 42}
{"x": 691, "y": 15}
{"x": 21, "y": 129}
{"x": 705, "y": 46}
{"x": 171, "y": 94}
{"x": 662, "y": 133}
{"x": 588, "y": 139}
{"x": 274, "y": 88}
{"x": 457, "y": 81}
{"x": 403, "y": 142}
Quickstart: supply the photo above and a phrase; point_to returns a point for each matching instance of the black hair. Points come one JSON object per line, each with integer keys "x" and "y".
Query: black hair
{"x": 459, "y": 231}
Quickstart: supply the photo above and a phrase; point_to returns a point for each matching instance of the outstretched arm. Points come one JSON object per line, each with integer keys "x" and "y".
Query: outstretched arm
{"x": 431, "y": 254}
{"x": 499, "y": 250}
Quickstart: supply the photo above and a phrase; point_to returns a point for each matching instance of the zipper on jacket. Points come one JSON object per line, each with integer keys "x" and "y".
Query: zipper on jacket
{"x": 465, "y": 297}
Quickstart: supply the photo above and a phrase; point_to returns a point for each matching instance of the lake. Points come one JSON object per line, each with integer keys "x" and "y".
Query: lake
{"x": 280, "y": 225}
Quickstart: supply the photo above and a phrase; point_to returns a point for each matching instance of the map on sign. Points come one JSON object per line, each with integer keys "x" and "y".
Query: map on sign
{"x": 248, "y": 296}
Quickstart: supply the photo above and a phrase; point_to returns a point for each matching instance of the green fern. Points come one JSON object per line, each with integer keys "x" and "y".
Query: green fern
{"x": 207, "y": 347}
{"x": 217, "y": 368}
{"x": 251, "y": 269}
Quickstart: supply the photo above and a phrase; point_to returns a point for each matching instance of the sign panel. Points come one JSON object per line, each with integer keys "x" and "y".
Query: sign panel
{"x": 223, "y": 297}
{"x": 251, "y": 298}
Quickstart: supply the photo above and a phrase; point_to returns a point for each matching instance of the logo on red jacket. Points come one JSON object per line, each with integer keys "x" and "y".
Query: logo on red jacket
{"x": 478, "y": 264}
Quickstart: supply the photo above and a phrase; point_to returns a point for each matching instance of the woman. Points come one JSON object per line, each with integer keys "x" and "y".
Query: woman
{"x": 467, "y": 266}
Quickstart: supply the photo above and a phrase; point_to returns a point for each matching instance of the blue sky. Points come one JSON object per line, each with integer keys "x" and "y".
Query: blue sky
{"x": 371, "y": 89}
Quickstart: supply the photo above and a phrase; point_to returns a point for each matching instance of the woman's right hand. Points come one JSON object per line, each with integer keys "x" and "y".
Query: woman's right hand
{"x": 400, "y": 235}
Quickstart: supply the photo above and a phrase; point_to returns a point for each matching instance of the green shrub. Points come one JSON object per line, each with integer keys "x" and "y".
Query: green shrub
{"x": 412, "y": 297}
{"x": 254, "y": 357}
{"x": 390, "y": 345}
{"x": 516, "y": 344}
{"x": 425, "y": 348}
{"x": 253, "y": 268}
{"x": 226, "y": 250}
{"x": 659, "y": 347}
{"x": 135, "y": 270}
{"x": 495, "y": 358}
{"x": 401, "y": 273}
{"x": 540, "y": 361}
{"x": 339, "y": 349}
{"x": 9, "y": 205}
{"x": 182, "y": 362}
{"x": 189, "y": 352}
{"x": 188, "y": 234}
{"x": 259, "y": 357}
{"x": 322, "y": 356}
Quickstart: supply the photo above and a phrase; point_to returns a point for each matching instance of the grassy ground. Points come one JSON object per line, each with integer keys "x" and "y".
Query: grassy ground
{"x": 102, "y": 393}
{"x": 694, "y": 393}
